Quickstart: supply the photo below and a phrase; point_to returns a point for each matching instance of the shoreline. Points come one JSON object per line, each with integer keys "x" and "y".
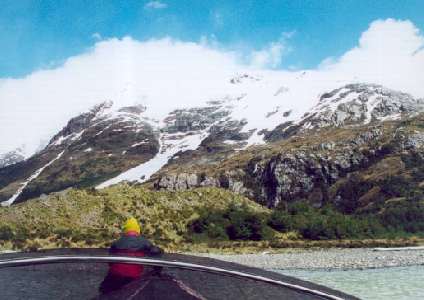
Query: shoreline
{"x": 316, "y": 258}
{"x": 327, "y": 259}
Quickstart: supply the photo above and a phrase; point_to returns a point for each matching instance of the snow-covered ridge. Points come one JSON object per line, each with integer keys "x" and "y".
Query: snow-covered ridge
{"x": 103, "y": 116}
{"x": 351, "y": 104}
{"x": 360, "y": 104}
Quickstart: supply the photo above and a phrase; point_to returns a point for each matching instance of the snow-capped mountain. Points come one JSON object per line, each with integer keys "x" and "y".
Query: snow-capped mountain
{"x": 110, "y": 144}
{"x": 12, "y": 157}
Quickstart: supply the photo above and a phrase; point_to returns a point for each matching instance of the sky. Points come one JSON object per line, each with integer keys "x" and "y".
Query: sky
{"x": 59, "y": 58}
{"x": 38, "y": 34}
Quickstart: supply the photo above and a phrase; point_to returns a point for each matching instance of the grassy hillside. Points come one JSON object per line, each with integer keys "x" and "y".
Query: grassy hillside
{"x": 81, "y": 218}
{"x": 201, "y": 219}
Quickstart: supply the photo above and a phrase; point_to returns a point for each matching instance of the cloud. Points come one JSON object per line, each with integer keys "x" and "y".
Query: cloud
{"x": 96, "y": 36}
{"x": 271, "y": 56}
{"x": 159, "y": 73}
{"x": 167, "y": 73}
{"x": 155, "y": 5}
{"x": 389, "y": 52}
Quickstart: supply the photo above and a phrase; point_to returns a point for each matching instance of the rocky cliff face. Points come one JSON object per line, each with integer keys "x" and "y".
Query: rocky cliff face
{"x": 319, "y": 172}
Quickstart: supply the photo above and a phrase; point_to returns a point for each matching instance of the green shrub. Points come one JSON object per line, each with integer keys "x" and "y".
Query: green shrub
{"x": 21, "y": 234}
{"x": 412, "y": 160}
{"x": 63, "y": 232}
{"x": 237, "y": 222}
{"x": 350, "y": 193}
{"x": 324, "y": 223}
{"x": 213, "y": 224}
{"x": 397, "y": 186}
{"x": 281, "y": 221}
{"x": 6, "y": 233}
{"x": 245, "y": 224}
{"x": 407, "y": 215}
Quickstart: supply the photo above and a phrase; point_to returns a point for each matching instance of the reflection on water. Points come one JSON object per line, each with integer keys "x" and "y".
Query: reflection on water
{"x": 385, "y": 283}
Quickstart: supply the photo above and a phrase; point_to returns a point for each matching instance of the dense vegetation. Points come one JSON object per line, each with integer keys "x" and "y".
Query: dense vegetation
{"x": 238, "y": 222}
{"x": 93, "y": 218}
{"x": 186, "y": 220}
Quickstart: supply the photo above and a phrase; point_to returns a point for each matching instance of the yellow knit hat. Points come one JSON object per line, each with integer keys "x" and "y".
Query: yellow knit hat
{"x": 131, "y": 225}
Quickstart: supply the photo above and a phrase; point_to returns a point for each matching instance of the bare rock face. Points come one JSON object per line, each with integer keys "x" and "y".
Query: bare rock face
{"x": 184, "y": 181}
{"x": 194, "y": 119}
{"x": 294, "y": 176}
{"x": 412, "y": 142}
{"x": 243, "y": 78}
{"x": 309, "y": 173}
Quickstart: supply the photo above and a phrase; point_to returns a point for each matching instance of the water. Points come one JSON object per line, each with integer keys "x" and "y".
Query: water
{"x": 384, "y": 283}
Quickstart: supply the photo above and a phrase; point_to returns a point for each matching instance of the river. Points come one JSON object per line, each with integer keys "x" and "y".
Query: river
{"x": 381, "y": 283}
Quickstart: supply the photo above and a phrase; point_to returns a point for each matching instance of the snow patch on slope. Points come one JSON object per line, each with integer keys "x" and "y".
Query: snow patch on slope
{"x": 31, "y": 178}
{"x": 70, "y": 137}
{"x": 170, "y": 146}
{"x": 266, "y": 102}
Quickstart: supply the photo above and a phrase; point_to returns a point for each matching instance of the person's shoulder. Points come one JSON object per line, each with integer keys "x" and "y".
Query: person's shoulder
{"x": 143, "y": 242}
{"x": 116, "y": 242}
{"x": 131, "y": 243}
{"x": 124, "y": 242}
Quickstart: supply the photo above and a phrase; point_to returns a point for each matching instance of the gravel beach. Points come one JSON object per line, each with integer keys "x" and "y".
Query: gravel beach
{"x": 327, "y": 259}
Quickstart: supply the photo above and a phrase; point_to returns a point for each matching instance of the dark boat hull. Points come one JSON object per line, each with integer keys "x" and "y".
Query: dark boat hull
{"x": 80, "y": 280}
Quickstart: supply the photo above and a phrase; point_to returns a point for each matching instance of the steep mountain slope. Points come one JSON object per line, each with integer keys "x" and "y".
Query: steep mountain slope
{"x": 90, "y": 148}
{"x": 332, "y": 165}
{"x": 335, "y": 134}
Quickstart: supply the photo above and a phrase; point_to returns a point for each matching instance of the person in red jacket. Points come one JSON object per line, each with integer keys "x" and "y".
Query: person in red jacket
{"x": 131, "y": 243}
